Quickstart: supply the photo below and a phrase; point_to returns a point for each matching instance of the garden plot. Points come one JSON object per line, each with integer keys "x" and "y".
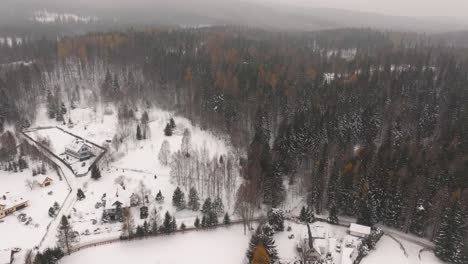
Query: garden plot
{"x": 16, "y": 233}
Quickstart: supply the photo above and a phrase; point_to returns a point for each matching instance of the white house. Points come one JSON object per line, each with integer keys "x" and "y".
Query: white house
{"x": 79, "y": 149}
{"x": 359, "y": 230}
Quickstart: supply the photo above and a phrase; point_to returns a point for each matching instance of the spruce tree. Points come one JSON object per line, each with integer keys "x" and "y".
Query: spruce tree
{"x": 66, "y": 237}
{"x": 159, "y": 197}
{"x": 80, "y": 195}
{"x": 167, "y": 224}
{"x": 138, "y": 133}
{"x": 197, "y": 222}
{"x": 95, "y": 172}
{"x": 333, "y": 218}
{"x": 168, "y": 130}
{"x": 218, "y": 206}
{"x": 193, "y": 200}
{"x": 227, "y": 219}
{"x": 178, "y": 199}
{"x": 276, "y": 219}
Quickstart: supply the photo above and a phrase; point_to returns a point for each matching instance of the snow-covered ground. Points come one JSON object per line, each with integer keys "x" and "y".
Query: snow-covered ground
{"x": 17, "y": 234}
{"x": 134, "y": 163}
{"x": 388, "y": 251}
{"x": 59, "y": 140}
{"x": 221, "y": 245}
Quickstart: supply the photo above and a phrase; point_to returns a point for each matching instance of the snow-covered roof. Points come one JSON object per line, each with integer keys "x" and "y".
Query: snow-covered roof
{"x": 361, "y": 229}
{"x": 118, "y": 195}
{"x": 5, "y": 256}
{"x": 76, "y": 145}
{"x": 7, "y": 200}
{"x": 41, "y": 178}
{"x": 319, "y": 231}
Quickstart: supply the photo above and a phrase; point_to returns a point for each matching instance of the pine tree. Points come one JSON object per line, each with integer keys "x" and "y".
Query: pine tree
{"x": 306, "y": 215}
{"x": 276, "y": 219}
{"x": 207, "y": 206}
{"x": 178, "y": 199}
{"x": 333, "y": 218}
{"x": 159, "y": 197}
{"x": 197, "y": 222}
{"x": 227, "y": 219}
{"x": 95, "y": 172}
{"x": 80, "y": 195}
{"x": 182, "y": 226}
{"x": 66, "y": 237}
{"x": 173, "y": 224}
{"x": 172, "y": 123}
{"x": 167, "y": 224}
{"x": 51, "y": 105}
{"x": 168, "y": 130}
{"x": 138, "y": 133}
{"x": 193, "y": 200}
{"x": 218, "y": 206}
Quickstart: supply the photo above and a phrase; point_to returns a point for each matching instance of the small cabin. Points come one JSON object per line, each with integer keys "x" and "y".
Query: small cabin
{"x": 45, "y": 181}
{"x": 359, "y": 230}
{"x": 79, "y": 149}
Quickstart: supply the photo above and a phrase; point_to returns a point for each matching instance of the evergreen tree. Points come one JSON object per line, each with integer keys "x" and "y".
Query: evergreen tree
{"x": 173, "y": 224}
{"x": 276, "y": 219}
{"x": 172, "y": 123}
{"x": 159, "y": 197}
{"x": 80, "y": 195}
{"x": 182, "y": 226}
{"x": 66, "y": 237}
{"x": 218, "y": 206}
{"x": 227, "y": 219}
{"x": 193, "y": 200}
{"x": 51, "y": 105}
{"x": 167, "y": 224}
{"x": 207, "y": 206}
{"x": 197, "y": 222}
{"x": 306, "y": 215}
{"x": 333, "y": 218}
{"x": 52, "y": 212}
{"x": 138, "y": 133}
{"x": 168, "y": 130}
{"x": 95, "y": 172}
{"x": 178, "y": 199}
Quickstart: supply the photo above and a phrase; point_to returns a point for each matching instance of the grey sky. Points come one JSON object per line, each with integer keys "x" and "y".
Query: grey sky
{"x": 435, "y": 8}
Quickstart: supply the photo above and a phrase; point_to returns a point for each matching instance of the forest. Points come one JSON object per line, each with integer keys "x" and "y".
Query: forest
{"x": 368, "y": 124}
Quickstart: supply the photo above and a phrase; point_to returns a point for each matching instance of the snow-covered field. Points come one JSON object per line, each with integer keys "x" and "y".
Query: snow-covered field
{"x": 17, "y": 234}
{"x": 388, "y": 251}
{"x": 222, "y": 245}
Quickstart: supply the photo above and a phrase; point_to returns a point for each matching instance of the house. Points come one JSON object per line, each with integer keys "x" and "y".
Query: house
{"x": 359, "y": 230}
{"x": 79, "y": 149}
{"x": 6, "y": 256}
{"x": 44, "y": 181}
{"x": 114, "y": 206}
{"x": 9, "y": 205}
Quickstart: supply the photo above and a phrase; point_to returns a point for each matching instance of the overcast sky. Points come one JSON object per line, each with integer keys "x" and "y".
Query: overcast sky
{"x": 437, "y": 8}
